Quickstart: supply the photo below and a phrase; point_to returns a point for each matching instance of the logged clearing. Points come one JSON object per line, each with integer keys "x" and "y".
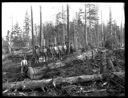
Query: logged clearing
{"x": 68, "y": 77}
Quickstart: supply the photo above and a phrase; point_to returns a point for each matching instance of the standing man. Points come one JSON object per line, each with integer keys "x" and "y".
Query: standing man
{"x": 65, "y": 48}
{"x": 24, "y": 66}
{"x": 52, "y": 51}
{"x": 57, "y": 51}
{"x": 41, "y": 59}
{"x": 49, "y": 52}
{"x": 45, "y": 53}
{"x": 37, "y": 52}
{"x": 42, "y": 55}
{"x": 61, "y": 51}
{"x": 71, "y": 48}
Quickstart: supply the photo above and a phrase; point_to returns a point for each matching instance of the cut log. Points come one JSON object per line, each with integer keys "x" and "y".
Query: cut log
{"x": 33, "y": 73}
{"x": 56, "y": 81}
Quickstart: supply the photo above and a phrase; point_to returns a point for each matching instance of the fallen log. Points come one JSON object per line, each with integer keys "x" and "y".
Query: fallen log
{"x": 42, "y": 83}
{"x": 26, "y": 84}
{"x": 94, "y": 90}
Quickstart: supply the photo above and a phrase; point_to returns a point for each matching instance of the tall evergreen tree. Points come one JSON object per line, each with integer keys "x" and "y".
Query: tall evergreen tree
{"x": 92, "y": 20}
{"x": 26, "y": 28}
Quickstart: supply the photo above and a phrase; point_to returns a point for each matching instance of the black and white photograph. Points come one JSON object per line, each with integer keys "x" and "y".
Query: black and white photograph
{"x": 63, "y": 49}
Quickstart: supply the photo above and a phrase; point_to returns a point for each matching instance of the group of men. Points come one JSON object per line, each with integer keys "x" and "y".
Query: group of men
{"x": 43, "y": 54}
{"x": 54, "y": 52}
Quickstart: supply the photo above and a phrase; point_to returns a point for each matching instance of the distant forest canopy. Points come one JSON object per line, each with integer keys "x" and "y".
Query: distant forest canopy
{"x": 84, "y": 31}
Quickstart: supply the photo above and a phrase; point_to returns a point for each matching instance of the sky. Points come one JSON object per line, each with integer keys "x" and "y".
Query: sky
{"x": 15, "y": 12}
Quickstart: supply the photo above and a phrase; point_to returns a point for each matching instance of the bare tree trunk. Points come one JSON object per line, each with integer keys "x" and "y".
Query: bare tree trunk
{"x": 32, "y": 31}
{"x": 10, "y": 39}
{"x": 98, "y": 41}
{"x": 76, "y": 37}
{"x": 63, "y": 25}
{"x": 90, "y": 26}
{"x": 110, "y": 19}
{"x": 40, "y": 24}
{"x": 55, "y": 41}
{"x": 102, "y": 37}
{"x": 42, "y": 39}
{"x": 68, "y": 29}
{"x": 86, "y": 40}
{"x": 36, "y": 38}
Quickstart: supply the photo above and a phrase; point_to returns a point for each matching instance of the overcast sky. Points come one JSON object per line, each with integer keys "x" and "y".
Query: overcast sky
{"x": 49, "y": 11}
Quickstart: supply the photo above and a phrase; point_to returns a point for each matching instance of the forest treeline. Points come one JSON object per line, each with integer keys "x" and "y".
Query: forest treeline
{"x": 85, "y": 31}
